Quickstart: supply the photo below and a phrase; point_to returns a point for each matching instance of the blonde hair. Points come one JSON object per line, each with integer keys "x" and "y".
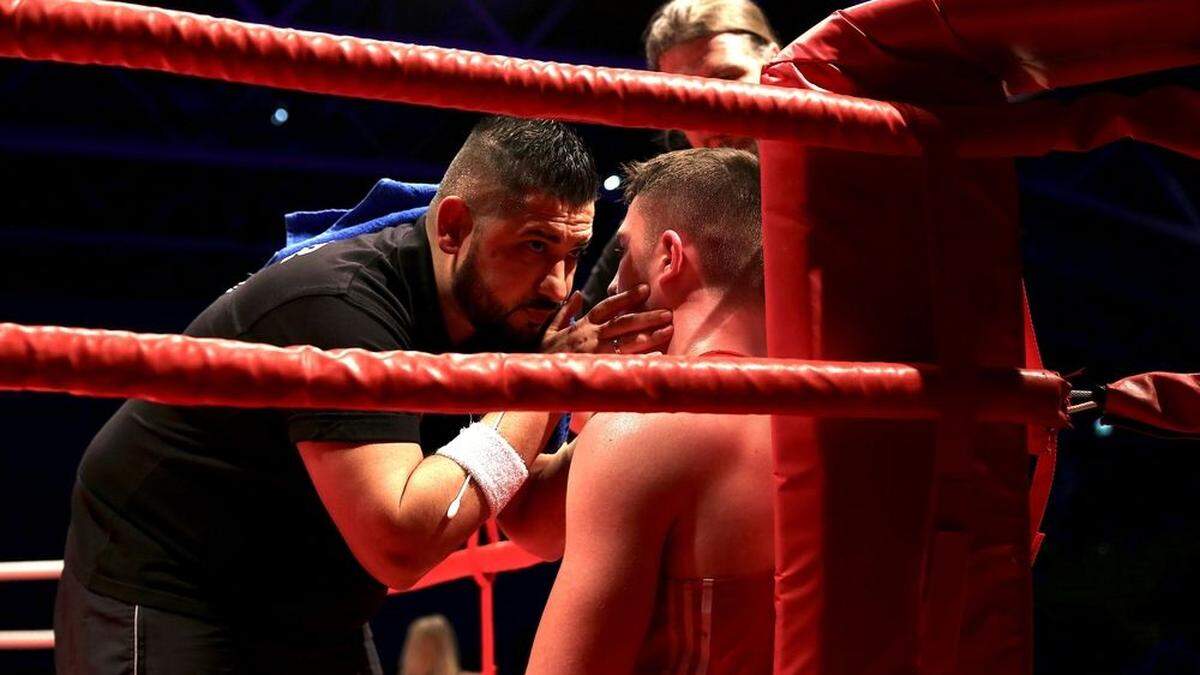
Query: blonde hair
{"x": 680, "y": 21}
{"x": 430, "y": 648}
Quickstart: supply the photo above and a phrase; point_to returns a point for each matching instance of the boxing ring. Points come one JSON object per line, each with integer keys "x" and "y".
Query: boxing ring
{"x": 904, "y": 380}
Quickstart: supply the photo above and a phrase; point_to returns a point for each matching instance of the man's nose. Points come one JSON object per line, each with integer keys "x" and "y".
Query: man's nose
{"x": 555, "y": 286}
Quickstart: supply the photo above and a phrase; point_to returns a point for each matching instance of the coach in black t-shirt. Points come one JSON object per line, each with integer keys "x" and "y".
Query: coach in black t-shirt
{"x": 225, "y": 540}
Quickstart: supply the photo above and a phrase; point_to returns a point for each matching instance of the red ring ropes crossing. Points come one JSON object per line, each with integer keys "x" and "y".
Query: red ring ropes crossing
{"x": 200, "y": 371}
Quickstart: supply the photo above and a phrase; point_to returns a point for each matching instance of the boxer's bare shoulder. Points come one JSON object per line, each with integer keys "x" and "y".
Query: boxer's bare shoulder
{"x": 662, "y": 438}
{"x": 642, "y": 453}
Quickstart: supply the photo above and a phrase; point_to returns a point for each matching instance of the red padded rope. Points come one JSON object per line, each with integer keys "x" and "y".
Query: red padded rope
{"x": 468, "y": 563}
{"x": 1169, "y": 401}
{"x": 117, "y": 34}
{"x": 198, "y": 371}
{"x": 503, "y": 556}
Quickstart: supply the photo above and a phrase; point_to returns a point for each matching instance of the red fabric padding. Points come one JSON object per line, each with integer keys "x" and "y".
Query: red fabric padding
{"x": 503, "y": 556}
{"x": 924, "y": 566}
{"x": 117, "y": 34}
{"x": 1169, "y": 401}
{"x": 1164, "y": 116}
{"x": 872, "y": 258}
{"x": 1042, "y": 444}
{"x": 200, "y": 371}
{"x": 1035, "y": 46}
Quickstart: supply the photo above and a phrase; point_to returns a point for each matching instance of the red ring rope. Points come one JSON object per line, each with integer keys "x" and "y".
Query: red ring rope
{"x": 1167, "y": 401}
{"x": 198, "y": 371}
{"x": 117, "y": 34}
{"x": 472, "y": 562}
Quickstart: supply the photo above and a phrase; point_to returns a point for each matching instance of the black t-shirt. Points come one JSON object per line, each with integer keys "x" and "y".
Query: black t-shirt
{"x": 209, "y": 511}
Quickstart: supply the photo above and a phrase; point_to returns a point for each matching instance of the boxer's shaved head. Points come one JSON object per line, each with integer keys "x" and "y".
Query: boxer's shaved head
{"x": 712, "y": 197}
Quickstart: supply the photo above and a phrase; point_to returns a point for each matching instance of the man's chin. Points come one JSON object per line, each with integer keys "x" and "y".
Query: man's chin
{"x": 527, "y": 337}
{"x": 522, "y": 344}
{"x": 507, "y": 338}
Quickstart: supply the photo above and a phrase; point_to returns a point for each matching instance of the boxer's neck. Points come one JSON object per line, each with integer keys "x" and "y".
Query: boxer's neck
{"x": 709, "y": 320}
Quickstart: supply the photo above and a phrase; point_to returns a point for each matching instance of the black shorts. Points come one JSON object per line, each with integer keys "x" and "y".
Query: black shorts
{"x": 98, "y": 635}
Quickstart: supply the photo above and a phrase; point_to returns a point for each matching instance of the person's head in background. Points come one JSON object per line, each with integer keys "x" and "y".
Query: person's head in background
{"x": 430, "y": 648}
{"x": 724, "y": 39}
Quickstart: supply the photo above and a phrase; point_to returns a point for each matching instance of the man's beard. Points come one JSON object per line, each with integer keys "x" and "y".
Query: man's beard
{"x": 489, "y": 316}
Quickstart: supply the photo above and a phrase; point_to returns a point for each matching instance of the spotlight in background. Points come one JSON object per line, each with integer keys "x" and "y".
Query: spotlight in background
{"x": 612, "y": 183}
{"x": 1102, "y": 430}
{"x": 279, "y": 116}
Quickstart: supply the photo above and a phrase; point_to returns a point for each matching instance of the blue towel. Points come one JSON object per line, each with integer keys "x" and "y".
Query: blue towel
{"x": 389, "y": 203}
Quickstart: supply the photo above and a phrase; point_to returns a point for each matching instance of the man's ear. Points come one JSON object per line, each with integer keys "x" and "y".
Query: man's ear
{"x": 670, "y": 257}
{"x": 454, "y": 224}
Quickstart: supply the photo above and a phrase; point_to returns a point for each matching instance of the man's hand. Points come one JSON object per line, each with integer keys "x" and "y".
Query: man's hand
{"x": 612, "y": 327}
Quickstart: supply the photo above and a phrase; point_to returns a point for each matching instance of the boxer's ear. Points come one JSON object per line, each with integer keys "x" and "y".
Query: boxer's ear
{"x": 670, "y": 257}
{"x": 454, "y": 224}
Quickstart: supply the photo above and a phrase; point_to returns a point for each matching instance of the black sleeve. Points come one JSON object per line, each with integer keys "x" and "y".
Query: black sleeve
{"x": 334, "y": 322}
{"x": 602, "y": 275}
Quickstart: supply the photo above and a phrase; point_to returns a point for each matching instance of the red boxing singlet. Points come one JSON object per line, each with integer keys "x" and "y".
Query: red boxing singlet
{"x": 711, "y": 626}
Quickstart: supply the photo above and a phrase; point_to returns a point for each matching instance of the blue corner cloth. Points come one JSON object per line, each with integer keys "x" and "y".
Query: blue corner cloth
{"x": 389, "y": 203}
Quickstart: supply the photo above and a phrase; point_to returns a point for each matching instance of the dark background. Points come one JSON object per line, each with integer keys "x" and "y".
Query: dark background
{"x": 133, "y": 199}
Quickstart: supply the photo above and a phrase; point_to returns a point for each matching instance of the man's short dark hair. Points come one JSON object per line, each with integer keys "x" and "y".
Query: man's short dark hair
{"x": 507, "y": 158}
{"x": 711, "y": 196}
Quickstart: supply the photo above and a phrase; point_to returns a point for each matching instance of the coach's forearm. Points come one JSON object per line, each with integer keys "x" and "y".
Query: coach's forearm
{"x": 422, "y": 534}
{"x": 536, "y": 517}
{"x": 526, "y": 432}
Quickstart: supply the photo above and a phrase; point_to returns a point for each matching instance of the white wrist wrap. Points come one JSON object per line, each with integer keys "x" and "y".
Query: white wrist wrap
{"x": 490, "y": 461}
